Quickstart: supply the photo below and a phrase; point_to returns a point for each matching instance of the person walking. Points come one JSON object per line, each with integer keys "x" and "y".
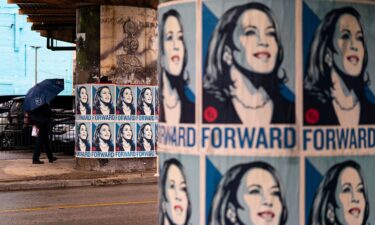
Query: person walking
{"x": 41, "y": 117}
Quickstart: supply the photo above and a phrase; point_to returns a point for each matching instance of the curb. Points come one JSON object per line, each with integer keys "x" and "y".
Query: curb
{"x": 58, "y": 184}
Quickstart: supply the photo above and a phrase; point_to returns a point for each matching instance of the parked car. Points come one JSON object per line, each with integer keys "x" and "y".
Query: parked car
{"x": 15, "y": 126}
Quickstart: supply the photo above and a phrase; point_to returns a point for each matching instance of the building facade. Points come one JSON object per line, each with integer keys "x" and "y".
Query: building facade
{"x": 17, "y": 57}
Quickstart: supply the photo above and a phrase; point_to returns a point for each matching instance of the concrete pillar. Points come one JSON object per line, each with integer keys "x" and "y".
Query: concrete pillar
{"x": 116, "y": 47}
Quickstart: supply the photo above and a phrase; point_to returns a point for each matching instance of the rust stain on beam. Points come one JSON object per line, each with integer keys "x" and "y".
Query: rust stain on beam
{"x": 51, "y": 12}
{"x": 46, "y": 20}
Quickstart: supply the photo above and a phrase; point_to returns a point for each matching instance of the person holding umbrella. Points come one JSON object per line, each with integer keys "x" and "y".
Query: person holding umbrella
{"x": 37, "y": 104}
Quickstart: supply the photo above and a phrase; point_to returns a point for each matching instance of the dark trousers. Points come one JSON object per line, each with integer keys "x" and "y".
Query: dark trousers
{"x": 42, "y": 140}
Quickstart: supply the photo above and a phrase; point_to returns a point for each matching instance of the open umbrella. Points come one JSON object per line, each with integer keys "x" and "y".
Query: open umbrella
{"x": 42, "y": 93}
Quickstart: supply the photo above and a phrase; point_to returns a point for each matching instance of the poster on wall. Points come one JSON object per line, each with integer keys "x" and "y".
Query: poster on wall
{"x": 83, "y": 136}
{"x": 284, "y": 128}
{"x": 341, "y": 188}
{"x": 248, "y": 71}
{"x": 338, "y": 84}
{"x": 103, "y": 102}
{"x": 248, "y": 75}
{"x": 128, "y": 45}
{"x": 107, "y": 123}
{"x": 177, "y": 64}
{"x": 83, "y": 106}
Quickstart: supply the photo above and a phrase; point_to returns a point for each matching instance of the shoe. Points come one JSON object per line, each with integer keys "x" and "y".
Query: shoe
{"x": 52, "y": 160}
{"x": 38, "y": 162}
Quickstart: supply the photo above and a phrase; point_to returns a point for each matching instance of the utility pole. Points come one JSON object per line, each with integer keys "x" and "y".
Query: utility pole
{"x": 36, "y": 62}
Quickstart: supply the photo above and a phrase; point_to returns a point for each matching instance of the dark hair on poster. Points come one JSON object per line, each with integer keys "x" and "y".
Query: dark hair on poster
{"x": 103, "y": 102}
{"x": 124, "y": 141}
{"x": 177, "y": 101}
{"x": 83, "y": 101}
{"x": 235, "y": 70}
{"x": 125, "y": 102}
{"x": 226, "y": 205}
{"x": 82, "y": 138}
{"x": 145, "y": 104}
{"x": 145, "y": 138}
{"x": 337, "y": 73}
{"x": 102, "y": 139}
{"x": 172, "y": 168}
{"x": 329, "y": 209}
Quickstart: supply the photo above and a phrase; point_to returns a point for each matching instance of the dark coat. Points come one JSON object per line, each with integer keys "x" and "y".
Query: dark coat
{"x": 42, "y": 114}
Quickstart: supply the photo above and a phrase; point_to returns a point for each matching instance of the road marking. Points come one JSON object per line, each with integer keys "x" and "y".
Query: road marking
{"x": 75, "y": 206}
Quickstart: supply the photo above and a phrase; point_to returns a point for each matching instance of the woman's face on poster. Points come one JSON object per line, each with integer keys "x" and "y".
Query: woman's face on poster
{"x": 147, "y": 132}
{"x": 105, "y": 95}
{"x": 349, "y": 47}
{"x": 83, "y": 132}
{"x": 105, "y": 132}
{"x": 255, "y": 39}
{"x": 176, "y": 193}
{"x": 350, "y": 198}
{"x": 128, "y": 96}
{"x": 127, "y": 132}
{"x": 83, "y": 95}
{"x": 260, "y": 198}
{"x": 147, "y": 96}
{"x": 174, "y": 48}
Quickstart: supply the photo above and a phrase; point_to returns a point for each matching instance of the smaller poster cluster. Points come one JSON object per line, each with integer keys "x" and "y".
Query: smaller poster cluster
{"x": 116, "y": 121}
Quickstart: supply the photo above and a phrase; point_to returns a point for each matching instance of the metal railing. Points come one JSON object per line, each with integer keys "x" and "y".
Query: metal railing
{"x": 15, "y": 132}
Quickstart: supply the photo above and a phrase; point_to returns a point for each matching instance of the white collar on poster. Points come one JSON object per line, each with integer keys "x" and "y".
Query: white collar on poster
{"x": 253, "y": 106}
{"x": 171, "y": 102}
{"x": 345, "y": 102}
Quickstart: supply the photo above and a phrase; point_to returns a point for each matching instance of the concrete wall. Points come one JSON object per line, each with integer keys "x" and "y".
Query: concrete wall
{"x": 17, "y": 58}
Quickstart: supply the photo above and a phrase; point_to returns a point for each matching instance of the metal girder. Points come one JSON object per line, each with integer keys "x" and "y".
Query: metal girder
{"x": 48, "y": 12}
{"x": 51, "y": 19}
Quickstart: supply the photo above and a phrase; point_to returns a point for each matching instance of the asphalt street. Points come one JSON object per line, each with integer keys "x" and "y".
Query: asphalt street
{"x": 124, "y": 204}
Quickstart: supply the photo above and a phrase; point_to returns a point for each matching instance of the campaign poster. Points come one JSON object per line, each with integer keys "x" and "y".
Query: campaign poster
{"x": 83, "y": 105}
{"x": 338, "y": 81}
{"x": 146, "y": 136}
{"x": 128, "y": 45}
{"x": 252, "y": 190}
{"x": 179, "y": 193}
{"x": 114, "y": 129}
{"x": 126, "y": 100}
{"x": 339, "y": 67}
{"x": 248, "y": 62}
{"x": 145, "y": 101}
{"x": 103, "y": 101}
{"x": 125, "y": 137}
{"x": 83, "y": 136}
{"x": 177, "y": 60}
{"x": 339, "y": 190}
{"x": 103, "y": 135}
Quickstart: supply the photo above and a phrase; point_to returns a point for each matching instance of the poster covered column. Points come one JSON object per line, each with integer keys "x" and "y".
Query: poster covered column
{"x": 116, "y": 83}
{"x": 266, "y": 112}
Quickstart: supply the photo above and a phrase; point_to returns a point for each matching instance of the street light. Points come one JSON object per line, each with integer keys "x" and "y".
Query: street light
{"x": 36, "y": 62}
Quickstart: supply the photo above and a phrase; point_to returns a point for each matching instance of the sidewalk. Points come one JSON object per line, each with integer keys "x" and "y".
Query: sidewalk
{"x": 18, "y": 173}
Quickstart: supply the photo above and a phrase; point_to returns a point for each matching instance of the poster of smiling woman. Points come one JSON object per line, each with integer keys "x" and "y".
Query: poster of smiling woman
{"x": 103, "y": 100}
{"x": 177, "y": 63}
{"x": 339, "y": 67}
{"x": 248, "y": 72}
{"x": 339, "y": 190}
{"x": 250, "y": 190}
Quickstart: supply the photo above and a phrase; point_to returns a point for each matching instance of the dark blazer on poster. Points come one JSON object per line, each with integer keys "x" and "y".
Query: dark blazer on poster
{"x": 96, "y": 148}
{"x": 326, "y": 115}
{"x": 187, "y": 108}
{"x": 283, "y": 110}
